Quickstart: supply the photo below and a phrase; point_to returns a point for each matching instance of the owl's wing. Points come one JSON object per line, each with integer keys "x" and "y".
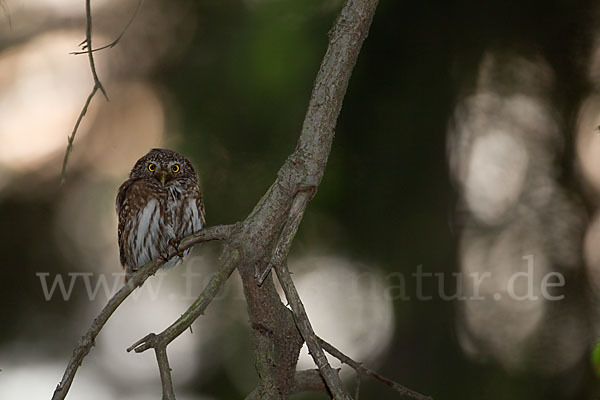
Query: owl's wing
{"x": 201, "y": 209}
{"x": 121, "y": 206}
{"x": 121, "y": 194}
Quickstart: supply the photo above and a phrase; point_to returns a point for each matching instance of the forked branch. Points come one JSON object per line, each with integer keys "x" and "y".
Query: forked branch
{"x": 86, "y": 46}
{"x": 87, "y": 43}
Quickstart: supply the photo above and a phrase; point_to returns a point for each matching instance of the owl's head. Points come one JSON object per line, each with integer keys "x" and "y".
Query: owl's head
{"x": 164, "y": 167}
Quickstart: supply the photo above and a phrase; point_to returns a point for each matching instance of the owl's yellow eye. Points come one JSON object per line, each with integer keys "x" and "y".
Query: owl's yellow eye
{"x": 175, "y": 168}
{"x": 151, "y": 167}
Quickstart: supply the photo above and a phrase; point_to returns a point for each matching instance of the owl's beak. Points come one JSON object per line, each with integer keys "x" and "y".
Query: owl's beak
{"x": 163, "y": 177}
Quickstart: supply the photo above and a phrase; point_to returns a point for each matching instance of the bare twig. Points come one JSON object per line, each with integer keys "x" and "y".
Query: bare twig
{"x": 361, "y": 370}
{"x": 283, "y": 274}
{"x": 97, "y": 86}
{"x": 278, "y": 261}
{"x": 63, "y": 173}
{"x": 334, "y": 384}
{"x": 87, "y": 341}
{"x": 112, "y": 44}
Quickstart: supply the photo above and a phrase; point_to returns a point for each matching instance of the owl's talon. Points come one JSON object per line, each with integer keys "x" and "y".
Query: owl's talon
{"x": 174, "y": 243}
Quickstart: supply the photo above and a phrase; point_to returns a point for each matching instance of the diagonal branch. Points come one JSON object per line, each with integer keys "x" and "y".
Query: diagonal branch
{"x": 331, "y": 378}
{"x": 97, "y": 86}
{"x": 195, "y": 310}
{"x": 278, "y": 261}
{"x": 63, "y": 173}
{"x": 84, "y": 346}
{"x": 361, "y": 370}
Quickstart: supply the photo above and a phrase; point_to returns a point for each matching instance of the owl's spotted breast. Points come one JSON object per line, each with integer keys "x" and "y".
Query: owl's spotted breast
{"x": 159, "y": 203}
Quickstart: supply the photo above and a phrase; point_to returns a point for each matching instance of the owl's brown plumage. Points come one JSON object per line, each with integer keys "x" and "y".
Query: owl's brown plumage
{"x": 159, "y": 204}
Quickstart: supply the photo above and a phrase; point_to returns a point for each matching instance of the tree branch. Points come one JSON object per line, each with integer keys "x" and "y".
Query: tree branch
{"x": 84, "y": 346}
{"x": 333, "y": 381}
{"x": 97, "y": 86}
{"x": 63, "y": 174}
{"x": 361, "y": 370}
{"x": 165, "y": 373}
{"x": 345, "y": 40}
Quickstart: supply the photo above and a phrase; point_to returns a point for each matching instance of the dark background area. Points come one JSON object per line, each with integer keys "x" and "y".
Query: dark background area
{"x": 234, "y": 79}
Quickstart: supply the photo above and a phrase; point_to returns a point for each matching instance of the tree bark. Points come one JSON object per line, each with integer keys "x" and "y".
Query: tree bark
{"x": 276, "y": 339}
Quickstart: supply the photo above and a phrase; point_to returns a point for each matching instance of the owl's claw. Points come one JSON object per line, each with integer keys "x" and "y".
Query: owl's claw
{"x": 174, "y": 243}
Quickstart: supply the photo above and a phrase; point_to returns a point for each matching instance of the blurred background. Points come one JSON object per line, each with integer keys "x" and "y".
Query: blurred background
{"x": 468, "y": 140}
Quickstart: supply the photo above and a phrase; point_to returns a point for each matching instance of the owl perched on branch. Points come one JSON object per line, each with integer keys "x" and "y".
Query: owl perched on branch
{"x": 157, "y": 206}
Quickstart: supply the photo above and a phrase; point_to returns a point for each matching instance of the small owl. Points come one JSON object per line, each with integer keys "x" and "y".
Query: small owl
{"x": 157, "y": 206}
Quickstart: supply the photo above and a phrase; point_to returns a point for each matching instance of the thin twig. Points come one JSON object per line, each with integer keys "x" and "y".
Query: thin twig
{"x": 333, "y": 381}
{"x": 97, "y": 86}
{"x": 63, "y": 173}
{"x": 361, "y": 370}
{"x": 357, "y": 389}
{"x": 118, "y": 39}
{"x": 84, "y": 346}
